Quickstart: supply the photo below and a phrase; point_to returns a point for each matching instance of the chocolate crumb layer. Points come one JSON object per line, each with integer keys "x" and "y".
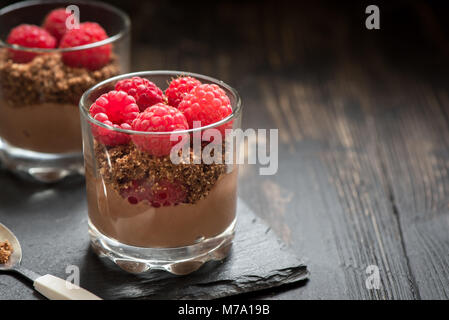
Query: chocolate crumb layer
{"x": 5, "y": 251}
{"x": 47, "y": 79}
{"x": 125, "y": 164}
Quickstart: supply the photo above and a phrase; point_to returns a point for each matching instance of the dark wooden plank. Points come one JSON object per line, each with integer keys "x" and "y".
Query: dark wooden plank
{"x": 331, "y": 203}
{"x": 416, "y": 151}
{"x": 409, "y": 109}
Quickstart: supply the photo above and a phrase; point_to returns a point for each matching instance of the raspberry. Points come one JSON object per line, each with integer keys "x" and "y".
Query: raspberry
{"x": 116, "y": 109}
{"x": 55, "y": 21}
{"x": 92, "y": 59}
{"x": 138, "y": 191}
{"x": 166, "y": 193}
{"x": 158, "y": 118}
{"x": 144, "y": 91}
{"x": 161, "y": 194}
{"x": 29, "y": 36}
{"x": 207, "y": 103}
{"x": 178, "y": 88}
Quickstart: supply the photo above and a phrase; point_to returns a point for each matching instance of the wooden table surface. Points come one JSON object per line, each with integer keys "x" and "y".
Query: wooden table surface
{"x": 363, "y": 130}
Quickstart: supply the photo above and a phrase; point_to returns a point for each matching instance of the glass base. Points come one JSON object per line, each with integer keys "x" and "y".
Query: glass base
{"x": 37, "y": 166}
{"x": 178, "y": 261}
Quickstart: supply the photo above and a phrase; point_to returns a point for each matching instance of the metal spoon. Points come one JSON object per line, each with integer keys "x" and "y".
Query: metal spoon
{"x": 49, "y": 286}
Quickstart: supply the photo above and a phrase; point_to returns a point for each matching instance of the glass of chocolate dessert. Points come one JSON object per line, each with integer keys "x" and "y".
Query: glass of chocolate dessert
{"x": 50, "y": 54}
{"x": 160, "y": 154}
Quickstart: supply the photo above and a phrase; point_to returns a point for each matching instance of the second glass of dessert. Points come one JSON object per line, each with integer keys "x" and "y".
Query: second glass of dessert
{"x": 50, "y": 54}
{"x": 160, "y": 169}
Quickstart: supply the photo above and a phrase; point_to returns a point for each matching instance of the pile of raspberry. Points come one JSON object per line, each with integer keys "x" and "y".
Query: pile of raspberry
{"x": 138, "y": 104}
{"x": 54, "y": 34}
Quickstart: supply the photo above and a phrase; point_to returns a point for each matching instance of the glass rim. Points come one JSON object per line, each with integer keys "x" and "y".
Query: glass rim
{"x": 235, "y": 109}
{"x": 110, "y": 39}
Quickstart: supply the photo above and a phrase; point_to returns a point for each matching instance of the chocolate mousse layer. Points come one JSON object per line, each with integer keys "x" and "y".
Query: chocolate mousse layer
{"x": 39, "y": 102}
{"x": 46, "y": 127}
{"x": 142, "y": 225}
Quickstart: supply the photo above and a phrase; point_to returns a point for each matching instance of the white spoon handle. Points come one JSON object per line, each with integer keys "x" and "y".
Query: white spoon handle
{"x": 55, "y": 288}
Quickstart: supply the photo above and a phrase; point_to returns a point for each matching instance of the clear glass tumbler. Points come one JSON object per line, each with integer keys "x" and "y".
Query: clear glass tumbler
{"x": 133, "y": 218}
{"x": 40, "y": 134}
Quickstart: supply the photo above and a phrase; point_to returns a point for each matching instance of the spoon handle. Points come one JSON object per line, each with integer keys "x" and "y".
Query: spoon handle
{"x": 55, "y": 288}
{"x": 28, "y": 274}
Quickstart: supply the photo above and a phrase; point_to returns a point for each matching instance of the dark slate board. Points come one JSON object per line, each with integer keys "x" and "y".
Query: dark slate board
{"x": 51, "y": 224}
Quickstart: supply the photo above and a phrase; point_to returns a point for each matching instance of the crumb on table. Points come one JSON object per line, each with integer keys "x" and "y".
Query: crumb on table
{"x": 5, "y": 251}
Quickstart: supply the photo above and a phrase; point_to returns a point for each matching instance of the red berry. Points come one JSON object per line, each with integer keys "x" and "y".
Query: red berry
{"x": 55, "y": 23}
{"x": 29, "y": 36}
{"x": 206, "y": 103}
{"x": 158, "y": 118}
{"x": 144, "y": 91}
{"x": 92, "y": 59}
{"x": 138, "y": 191}
{"x": 166, "y": 193}
{"x": 161, "y": 194}
{"x": 116, "y": 109}
{"x": 178, "y": 88}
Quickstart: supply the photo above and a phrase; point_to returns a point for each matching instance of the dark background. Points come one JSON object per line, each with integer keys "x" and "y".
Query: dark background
{"x": 363, "y": 128}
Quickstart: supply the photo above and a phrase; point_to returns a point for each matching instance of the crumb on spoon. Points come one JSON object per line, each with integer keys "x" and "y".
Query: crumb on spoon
{"x": 5, "y": 251}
